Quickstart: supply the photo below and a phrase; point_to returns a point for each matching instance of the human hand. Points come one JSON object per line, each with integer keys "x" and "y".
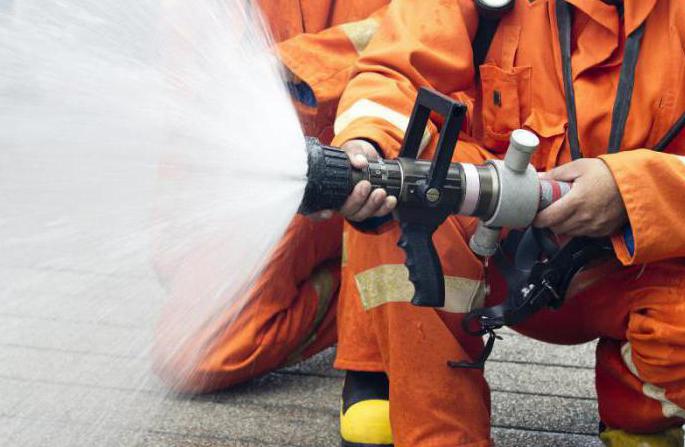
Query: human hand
{"x": 593, "y": 207}
{"x": 362, "y": 202}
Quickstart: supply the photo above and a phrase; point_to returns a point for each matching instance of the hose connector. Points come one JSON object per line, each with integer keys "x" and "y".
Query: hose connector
{"x": 518, "y": 193}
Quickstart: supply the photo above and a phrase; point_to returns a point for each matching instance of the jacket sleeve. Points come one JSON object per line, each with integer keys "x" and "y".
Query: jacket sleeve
{"x": 426, "y": 43}
{"x": 652, "y": 186}
{"x": 319, "y": 65}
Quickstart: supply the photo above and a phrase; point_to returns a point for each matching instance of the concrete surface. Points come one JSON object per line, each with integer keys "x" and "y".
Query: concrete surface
{"x": 73, "y": 372}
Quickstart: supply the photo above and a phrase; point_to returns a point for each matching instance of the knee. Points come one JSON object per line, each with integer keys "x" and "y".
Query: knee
{"x": 627, "y": 399}
{"x": 203, "y": 366}
{"x": 206, "y": 365}
{"x": 200, "y": 378}
{"x": 202, "y": 358}
{"x": 184, "y": 375}
{"x": 656, "y": 345}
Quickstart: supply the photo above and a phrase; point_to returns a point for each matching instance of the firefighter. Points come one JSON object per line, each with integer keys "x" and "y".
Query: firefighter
{"x": 600, "y": 82}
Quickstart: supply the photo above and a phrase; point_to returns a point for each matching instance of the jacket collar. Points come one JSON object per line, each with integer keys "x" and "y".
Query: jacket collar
{"x": 635, "y": 12}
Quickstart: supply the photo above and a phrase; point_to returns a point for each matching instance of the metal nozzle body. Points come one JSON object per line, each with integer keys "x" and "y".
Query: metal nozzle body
{"x": 519, "y": 193}
{"x": 503, "y": 193}
{"x": 331, "y": 178}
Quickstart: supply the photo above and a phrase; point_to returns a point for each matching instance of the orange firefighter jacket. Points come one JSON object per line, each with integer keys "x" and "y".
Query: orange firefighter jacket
{"x": 319, "y": 41}
{"x": 428, "y": 43}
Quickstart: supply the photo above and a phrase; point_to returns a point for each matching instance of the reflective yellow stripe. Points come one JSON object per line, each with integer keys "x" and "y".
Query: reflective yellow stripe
{"x": 390, "y": 283}
{"x": 324, "y": 285}
{"x": 360, "y": 33}
{"x": 365, "y": 108}
{"x": 673, "y": 437}
{"x": 344, "y": 257}
{"x": 668, "y": 408}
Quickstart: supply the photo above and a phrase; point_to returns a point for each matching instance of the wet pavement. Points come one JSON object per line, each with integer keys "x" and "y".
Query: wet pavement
{"x": 69, "y": 377}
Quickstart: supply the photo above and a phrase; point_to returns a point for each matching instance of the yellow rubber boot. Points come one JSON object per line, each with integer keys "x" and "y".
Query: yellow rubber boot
{"x": 365, "y": 411}
{"x": 673, "y": 437}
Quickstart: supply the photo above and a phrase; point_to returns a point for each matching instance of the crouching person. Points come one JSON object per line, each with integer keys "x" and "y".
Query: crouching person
{"x": 553, "y": 67}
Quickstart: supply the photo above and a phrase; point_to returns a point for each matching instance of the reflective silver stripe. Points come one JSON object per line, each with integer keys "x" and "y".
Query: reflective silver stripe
{"x": 389, "y": 283}
{"x": 668, "y": 408}
{"x": 360, "y": 33}
{"x": 472, "y": 192}
{"x": 681, "y": 158}
{"x": 365, "y": 108}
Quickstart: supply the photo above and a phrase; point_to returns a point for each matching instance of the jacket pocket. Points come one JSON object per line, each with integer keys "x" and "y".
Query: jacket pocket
{"x": 506, "y": 97}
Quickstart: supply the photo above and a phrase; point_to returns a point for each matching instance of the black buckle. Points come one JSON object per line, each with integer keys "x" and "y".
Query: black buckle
{"x": 557, "y": 299}
{"x": 484, "y": 355}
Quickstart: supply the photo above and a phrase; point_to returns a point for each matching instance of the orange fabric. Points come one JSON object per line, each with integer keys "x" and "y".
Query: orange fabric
{"x": 428, "y": 44}
{"x": 317, "y": 51}
{"x": 652, "y": 186}
{"x": 642, "y": 306}
{"x": 276, "y": 322}
{"x": 290, "y": 18}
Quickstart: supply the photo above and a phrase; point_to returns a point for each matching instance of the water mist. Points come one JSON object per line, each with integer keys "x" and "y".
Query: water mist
{"x": 131, "y": 133}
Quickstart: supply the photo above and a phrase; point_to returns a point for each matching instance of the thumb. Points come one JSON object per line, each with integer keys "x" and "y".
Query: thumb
{"x": 566, "y": 173}
{"x": 368, "y": 150}
{"x": 544, "y": 175}
{"x": 360, "y": 152}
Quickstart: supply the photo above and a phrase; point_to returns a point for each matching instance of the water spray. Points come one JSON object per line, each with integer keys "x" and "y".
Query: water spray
{"x": 136, "y": 209}
{"x": 501, "y": 193}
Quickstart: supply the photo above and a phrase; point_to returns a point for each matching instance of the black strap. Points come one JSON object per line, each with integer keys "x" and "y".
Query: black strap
{"x": 483, "y": 39}
{"x": 624, "y": 91}
{"x": 489, "y": 16}
{"x": 534, "y": 284}
{"x": 671, "y": 135}
{"x": 479, "y": 363}
{"x": 564, "y": 27}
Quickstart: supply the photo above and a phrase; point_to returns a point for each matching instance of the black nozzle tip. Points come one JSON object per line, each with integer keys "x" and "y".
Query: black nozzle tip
{"x": 329, "y": 178}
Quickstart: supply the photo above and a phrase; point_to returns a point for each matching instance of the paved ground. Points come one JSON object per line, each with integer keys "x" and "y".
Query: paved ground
{"x": 72, "y": 374}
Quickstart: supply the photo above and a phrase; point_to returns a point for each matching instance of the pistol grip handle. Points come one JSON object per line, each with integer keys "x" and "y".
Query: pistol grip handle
{"x": 423, "y": 263}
